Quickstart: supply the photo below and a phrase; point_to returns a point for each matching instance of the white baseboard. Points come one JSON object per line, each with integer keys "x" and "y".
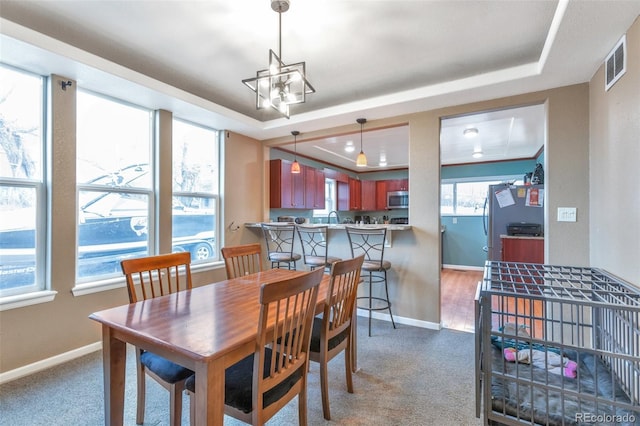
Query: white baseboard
{"x": 463, "y": 267}
{"x": 48, "y": 363}
{"x": 400, "y": 320}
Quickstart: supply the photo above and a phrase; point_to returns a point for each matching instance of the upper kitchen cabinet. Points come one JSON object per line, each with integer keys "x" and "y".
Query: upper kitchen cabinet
{"x": 287, "y": 189}
{"x": 314, "y": 197}
{"x": 304, "y": 190}
{"x": 355, "y": 194}
{"x": 369, "y": 199}
{"x": 381, "y": 195}
{"x": 397, "y": 185}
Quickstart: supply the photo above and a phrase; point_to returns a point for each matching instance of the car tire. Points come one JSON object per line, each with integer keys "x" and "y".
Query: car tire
{"x": 201, "y": 251}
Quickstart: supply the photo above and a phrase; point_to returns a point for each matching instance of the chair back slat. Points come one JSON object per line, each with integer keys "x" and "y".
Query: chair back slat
{"x": 242, "y": 260}
{"x": 290, "y": 305}
{"x": 341, "y": 295}
{"x": 153, "y": 276}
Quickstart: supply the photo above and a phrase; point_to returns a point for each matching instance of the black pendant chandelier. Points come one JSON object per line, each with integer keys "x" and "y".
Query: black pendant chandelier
{"x": 280, "y": 85}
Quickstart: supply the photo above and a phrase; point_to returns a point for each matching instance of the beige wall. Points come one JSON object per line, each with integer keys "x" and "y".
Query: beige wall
{"x": 615, "y": 168}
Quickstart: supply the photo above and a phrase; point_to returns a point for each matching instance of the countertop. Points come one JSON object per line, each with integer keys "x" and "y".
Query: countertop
{"x": 522, "y": 237}
{"x": 390, "y": 227}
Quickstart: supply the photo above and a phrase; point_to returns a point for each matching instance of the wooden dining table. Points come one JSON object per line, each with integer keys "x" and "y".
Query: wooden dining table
{"x": 205, "y": 329}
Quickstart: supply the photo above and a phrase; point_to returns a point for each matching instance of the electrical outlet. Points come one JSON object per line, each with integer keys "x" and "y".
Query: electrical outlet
{"x": 567, "y": 214}
{"x": 454, "y": 220}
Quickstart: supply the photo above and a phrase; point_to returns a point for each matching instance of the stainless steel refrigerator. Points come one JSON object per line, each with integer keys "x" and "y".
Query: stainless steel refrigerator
{"x": 508, "y": 204}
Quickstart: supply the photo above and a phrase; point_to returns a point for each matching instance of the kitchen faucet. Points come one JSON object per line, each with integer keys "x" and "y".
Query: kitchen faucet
{"x": 329, "y": 216}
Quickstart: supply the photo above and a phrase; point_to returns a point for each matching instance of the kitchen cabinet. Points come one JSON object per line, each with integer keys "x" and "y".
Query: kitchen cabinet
{"x": 381, "y": 195}
{"x": 355, "y": 194}
{"x": 336, "y": 175}
{"x": 314, "y": 197}
{"x": 397, "y": 185}
{"x": 368, "y": 195}
{"x": 522, "y": 249}
{"x": 343, "y": 195}
{"x": 286, "y": 190}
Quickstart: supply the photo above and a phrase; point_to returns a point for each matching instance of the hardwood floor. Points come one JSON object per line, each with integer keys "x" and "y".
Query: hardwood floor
{"x": 458, "y": 292}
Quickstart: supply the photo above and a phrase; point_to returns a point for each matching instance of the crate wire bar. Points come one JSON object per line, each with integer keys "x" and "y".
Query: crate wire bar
{"x": 583, "y": 317}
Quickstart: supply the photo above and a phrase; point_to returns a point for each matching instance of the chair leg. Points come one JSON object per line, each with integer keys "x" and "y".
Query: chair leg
{"x": 354, "y": 339}
{"x": 140, "y": 380}
{"x": 175, "y": 408}
{"x": 324, "y": 386}
{"x": 347, "y": 365}
{"x": 386, "y": 289}
{"x": 302, "y": 402}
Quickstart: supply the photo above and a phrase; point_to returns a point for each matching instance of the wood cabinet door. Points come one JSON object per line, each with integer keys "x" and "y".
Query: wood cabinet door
{"x": 313, "y": 188}
{"x": 368, "y": 195}
{"x": 397, "y": 185}
{"x": 286, "y": 189}
{"x": 319, "y": 192}
{"x": 381, "y": 195}
{"x": 528, "y": 250}
{"x": 343, "y": 196}
{"x": 355, "y": 194}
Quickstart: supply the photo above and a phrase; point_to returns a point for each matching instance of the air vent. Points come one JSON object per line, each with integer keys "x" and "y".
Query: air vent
{"x": 616, "y": 63}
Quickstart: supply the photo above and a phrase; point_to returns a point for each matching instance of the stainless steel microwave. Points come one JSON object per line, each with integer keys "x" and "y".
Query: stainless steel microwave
{"x": 398, "y": 199}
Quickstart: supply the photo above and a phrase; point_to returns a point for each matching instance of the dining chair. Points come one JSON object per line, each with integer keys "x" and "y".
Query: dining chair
{"x": 242, "y": 260}
{"x": 259, "y": 385}
{"x": 280, "y": 239}
{"x": 332, "y": 333}
{"x": 147, "y": 278}
{"x": 370, "y": 242}
{"x": 315, "y": 246}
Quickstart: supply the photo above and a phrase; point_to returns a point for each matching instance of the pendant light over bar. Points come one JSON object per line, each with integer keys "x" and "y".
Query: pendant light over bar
{"x": 361, "y": 160}
{"x": 280, "y": 85}
{"x": 295, "y": 166}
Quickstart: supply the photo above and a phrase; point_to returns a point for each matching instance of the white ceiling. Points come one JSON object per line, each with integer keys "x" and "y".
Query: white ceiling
{"x": 371, "y": 59}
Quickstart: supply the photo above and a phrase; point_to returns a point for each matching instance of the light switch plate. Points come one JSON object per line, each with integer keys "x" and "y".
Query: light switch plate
{"x": 567, "y": 214}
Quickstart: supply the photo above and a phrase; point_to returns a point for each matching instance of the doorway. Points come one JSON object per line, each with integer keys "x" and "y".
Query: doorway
{"x": 475, "y": 150}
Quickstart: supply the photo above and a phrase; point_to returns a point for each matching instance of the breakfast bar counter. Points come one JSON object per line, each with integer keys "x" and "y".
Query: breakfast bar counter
{"x": 338, "y": 226}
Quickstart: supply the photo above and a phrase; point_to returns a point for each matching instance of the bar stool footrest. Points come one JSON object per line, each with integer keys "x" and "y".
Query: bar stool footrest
{"x": 386, "y": 304}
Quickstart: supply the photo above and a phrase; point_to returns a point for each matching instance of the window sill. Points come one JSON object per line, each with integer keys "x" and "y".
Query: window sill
{"x": 119, "y": 282}
{"x": 98, "y": 286}
{"x": 28, "y": 299}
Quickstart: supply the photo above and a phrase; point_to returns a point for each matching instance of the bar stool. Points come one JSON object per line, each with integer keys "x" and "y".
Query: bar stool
{"x": 280, "y": 239}
{"x": 315, "y": 244}
{"x": 370, "y": 242}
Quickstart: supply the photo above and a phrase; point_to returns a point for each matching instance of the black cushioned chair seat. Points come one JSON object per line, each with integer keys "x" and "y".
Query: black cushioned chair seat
{"x": 238, "y": 384}
{"x": 315, "y": 336}
{"x": 168, "y": 371}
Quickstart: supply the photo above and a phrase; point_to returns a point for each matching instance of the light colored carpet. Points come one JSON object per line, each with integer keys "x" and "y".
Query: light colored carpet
{"x": 407, "y": 376}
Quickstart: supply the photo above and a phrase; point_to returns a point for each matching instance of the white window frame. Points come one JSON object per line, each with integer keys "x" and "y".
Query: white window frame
{"x": 40, "y": 291}
{"x": 87, "y": 285}
{"x": 488, "y": 179}
{"x": 211, "y": 195}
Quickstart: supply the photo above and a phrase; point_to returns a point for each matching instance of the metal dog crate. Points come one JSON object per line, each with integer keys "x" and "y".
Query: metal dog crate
{"x": 585, "y": 318}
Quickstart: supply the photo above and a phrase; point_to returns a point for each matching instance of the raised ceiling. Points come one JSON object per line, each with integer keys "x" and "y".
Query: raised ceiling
{"x": 371, "y": 59}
